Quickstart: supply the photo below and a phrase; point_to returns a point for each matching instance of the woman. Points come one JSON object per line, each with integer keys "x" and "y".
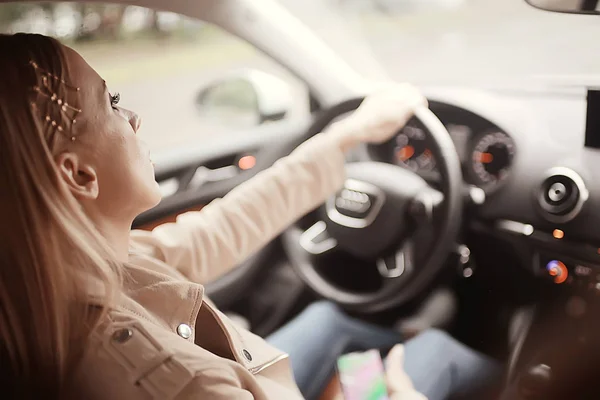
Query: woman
{"x": 89, "y": 309}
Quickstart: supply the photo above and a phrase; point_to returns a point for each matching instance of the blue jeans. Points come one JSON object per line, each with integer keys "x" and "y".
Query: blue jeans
{"x": 438, "y": 365}
{"x": 441, "y": 367}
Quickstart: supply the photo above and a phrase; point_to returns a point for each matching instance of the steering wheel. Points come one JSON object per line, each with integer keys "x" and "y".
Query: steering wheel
{"x": 378, "y": 217}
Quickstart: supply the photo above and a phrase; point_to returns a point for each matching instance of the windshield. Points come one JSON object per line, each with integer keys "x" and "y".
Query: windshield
{"x": 456, "y": 41}
{"x": 168, "y": 67}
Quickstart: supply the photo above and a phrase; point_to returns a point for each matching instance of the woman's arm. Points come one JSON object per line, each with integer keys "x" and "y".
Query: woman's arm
{"x": 206, "y": 244}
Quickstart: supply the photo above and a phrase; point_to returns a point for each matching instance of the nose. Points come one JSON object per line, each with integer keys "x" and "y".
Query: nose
{"x": 134, "y": 120}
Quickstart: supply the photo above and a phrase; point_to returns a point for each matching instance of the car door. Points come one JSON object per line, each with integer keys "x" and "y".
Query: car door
{"x": 215, "y": 111}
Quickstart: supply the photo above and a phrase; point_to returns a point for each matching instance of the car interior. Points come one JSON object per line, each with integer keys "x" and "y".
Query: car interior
{"x": 493, "y": 194}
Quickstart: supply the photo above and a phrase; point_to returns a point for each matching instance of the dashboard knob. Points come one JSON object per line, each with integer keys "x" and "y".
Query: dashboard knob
{"x": 561, "y": 195}
{"x": 558, "y": 271}
{"x": 557, "y": 192}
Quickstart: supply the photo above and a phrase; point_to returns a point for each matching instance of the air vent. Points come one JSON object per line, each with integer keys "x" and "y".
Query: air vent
{"x": 561, "y": 195}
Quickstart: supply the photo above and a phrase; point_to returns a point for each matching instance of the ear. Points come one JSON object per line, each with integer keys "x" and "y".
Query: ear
{"x": 81, "y": 178}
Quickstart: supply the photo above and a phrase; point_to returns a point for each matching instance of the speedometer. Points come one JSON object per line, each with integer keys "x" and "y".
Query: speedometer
{"x": 412, "y": 150}
{"x": 491, "y": 158}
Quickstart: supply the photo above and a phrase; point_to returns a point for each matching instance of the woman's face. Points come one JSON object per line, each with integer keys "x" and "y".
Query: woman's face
{"x": 109, "y": 163}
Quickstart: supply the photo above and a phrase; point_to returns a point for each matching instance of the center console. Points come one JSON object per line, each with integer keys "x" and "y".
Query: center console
{"x": 557, "y": 352}
{"x": 556, "y": 355}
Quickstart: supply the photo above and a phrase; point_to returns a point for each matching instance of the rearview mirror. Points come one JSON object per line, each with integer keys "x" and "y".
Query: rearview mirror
{"x": 568, "y": 6}
{"x": 244, "y": 99}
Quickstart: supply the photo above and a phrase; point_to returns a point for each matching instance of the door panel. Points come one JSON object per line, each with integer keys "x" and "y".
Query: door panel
{"x": 218, "y": 162}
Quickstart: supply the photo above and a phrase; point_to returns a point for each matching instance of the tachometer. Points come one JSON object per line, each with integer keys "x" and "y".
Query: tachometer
{"x": 411, "y": 149}
{"x": 491, "y": 158}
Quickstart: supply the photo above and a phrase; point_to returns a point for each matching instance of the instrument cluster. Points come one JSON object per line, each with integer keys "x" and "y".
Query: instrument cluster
{"x": 486, "y": 152}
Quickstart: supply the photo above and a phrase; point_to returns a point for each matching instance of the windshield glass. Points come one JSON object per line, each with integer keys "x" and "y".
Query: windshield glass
{"x": 456, "y": 41}
{"x": 170, "y": 68}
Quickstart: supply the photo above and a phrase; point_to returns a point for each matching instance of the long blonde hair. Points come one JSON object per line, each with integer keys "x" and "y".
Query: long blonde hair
{"x": 48, "y": 247}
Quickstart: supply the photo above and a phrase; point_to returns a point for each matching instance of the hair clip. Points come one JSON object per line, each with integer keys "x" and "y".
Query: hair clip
{"x": 49, "y": 75}
{"x": 49, "y": 86}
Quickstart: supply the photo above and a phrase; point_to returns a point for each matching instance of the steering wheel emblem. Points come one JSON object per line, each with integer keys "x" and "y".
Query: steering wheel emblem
{"x": 353, "y": 201}
{"x": 356, "y": 205}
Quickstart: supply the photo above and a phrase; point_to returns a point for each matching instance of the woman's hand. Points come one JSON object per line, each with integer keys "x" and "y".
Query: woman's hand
{"x": 399, "y": 384}
{"x": 383, "y": 112}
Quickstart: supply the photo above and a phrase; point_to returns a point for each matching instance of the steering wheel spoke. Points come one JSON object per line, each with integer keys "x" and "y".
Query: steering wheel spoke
{"x": 398, "y": 264}
{"x": 426, "y": 205}
{"x": 316, "y": 240}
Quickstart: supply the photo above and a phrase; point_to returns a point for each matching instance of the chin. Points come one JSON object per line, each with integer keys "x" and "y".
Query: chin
{"x": 151, "y": 197}
{"x": 156, "y": 195}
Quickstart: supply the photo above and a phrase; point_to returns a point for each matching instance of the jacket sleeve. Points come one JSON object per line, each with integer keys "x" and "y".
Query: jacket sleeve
{"x": 214, "y": 385}
{"x": 204, "y": 245}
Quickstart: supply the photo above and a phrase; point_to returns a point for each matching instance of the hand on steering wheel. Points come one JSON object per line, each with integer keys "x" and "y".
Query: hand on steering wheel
{"x": 379, "y": 117}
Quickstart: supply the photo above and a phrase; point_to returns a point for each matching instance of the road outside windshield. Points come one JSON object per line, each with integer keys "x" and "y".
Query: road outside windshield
{"x": 456, "y": 41}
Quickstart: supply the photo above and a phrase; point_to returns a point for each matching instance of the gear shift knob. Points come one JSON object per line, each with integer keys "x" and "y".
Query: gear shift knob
{"x": 535, "y": 382}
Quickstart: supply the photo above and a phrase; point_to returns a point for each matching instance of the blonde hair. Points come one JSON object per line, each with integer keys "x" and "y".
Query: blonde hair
{"x": 48, "y": 247}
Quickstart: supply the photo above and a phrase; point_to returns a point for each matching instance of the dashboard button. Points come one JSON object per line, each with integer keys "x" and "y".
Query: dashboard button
{"x": 582, "y": 271}
{"x": 558, "y": 271}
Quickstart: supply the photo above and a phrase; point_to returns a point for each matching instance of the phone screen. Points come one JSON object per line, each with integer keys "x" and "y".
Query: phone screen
{"x": 362, "y": 376}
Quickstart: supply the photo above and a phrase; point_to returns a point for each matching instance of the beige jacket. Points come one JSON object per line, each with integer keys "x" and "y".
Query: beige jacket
{"x": 165, "y": 339}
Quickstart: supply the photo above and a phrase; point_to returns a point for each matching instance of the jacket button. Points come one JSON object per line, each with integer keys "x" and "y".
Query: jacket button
{"x": 184, "y": 330}
{"x": 247, "y": 355}
{"x": 122, "y": 335}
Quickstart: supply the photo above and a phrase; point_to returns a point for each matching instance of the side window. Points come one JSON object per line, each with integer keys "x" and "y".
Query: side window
{"x": 187, "y": 79}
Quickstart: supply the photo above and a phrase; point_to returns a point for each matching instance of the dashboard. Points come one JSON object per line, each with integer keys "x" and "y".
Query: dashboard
{"x": 486, "y": 152}
{"x": 535, "y": 154}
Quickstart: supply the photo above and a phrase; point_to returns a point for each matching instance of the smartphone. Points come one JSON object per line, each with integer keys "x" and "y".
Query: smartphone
{"x": 362, "y": 376}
